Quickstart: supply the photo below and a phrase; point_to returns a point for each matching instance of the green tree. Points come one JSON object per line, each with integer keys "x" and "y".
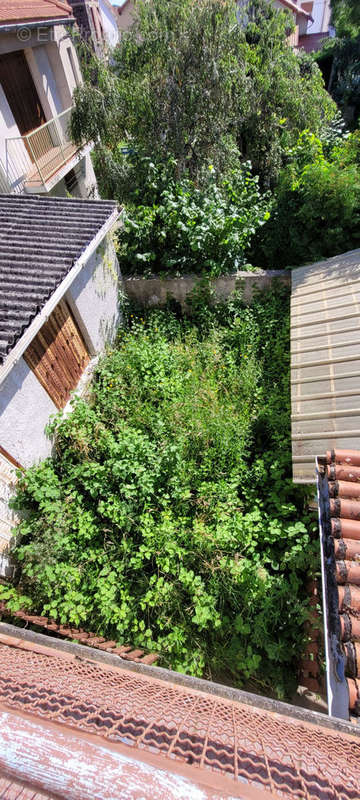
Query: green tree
{"x": 340, "y": 59}
{"x": 203, "y": 83}
{"x": 345, "y": 16}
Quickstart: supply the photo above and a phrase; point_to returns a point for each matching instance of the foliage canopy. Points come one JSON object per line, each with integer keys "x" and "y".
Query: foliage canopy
{"x": 192, "y": 229}
{"x": 316, "y": 206}
{"x": 193, "y": 81}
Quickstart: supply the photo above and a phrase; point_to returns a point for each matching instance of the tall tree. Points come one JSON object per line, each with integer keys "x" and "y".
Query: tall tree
{"x": 202, "y": 82}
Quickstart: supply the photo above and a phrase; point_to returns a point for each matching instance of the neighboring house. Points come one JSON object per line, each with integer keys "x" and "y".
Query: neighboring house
{"x": 319, "y": 27}
{"x": 59, "y": 287}
{"x": 110, "y": 22}
{"x": 39, "y": 71}
{"x": 125, "y": 11}
{"x": 300, "y": 16}
{"x": 90, "y": 24}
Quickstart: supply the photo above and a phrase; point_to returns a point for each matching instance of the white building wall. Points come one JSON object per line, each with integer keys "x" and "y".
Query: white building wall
{"x": 109, "y": 23}
{"x": 44, "y": 81}
{"x": 94, "y": 297}
{"x": 25, "y": 408}
{"x": 13, "y": 155}
{"x": 86, "y": 182}
{"x": 55, "y": 70}
{"x": 321, "y": 12}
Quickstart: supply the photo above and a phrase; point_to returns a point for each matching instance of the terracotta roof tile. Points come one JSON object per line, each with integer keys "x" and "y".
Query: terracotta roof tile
{"x": 342, "y": 474}
{"x": 17, "y": 11}
{"x": 249, "y": 746}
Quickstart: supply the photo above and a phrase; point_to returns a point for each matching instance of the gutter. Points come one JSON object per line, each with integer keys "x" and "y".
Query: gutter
{"x": 336, "y": 685}
{"x": 13, "y": 27}
{"x": 37, "y": 323}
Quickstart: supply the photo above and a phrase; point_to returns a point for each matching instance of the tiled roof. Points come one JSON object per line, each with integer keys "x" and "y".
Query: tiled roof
{"x": 87, "y": 638}
{"x": 251, "y": 747}
{"x": 41, "y": 238}
{"x": 292, "y": 6}
{"x": 341, "y": 521}
{"x": 17, "y": 11}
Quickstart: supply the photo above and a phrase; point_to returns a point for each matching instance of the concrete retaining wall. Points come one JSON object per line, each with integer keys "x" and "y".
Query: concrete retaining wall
{"x": 155, "y": 291}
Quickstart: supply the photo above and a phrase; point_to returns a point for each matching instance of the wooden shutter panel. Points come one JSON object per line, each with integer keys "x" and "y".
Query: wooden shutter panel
{"x": 58, "y": 355}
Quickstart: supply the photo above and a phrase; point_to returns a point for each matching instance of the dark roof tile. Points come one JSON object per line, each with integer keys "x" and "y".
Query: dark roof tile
{"x": 41, "y": 238}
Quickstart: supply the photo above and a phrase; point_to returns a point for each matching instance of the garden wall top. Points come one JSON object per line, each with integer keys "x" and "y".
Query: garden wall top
{"x": 155, "y": 290}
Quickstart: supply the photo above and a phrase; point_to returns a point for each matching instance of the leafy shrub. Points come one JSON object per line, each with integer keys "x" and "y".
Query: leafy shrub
{"x": 167, "y": 517}
{"x": 194, "y": 230}
{"x": 316, "y": 208}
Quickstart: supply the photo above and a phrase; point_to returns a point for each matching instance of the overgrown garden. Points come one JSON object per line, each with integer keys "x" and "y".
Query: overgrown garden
{"x": 167, "y": 517}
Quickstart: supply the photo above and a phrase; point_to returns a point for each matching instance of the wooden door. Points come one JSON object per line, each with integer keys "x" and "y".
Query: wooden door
{"x": 20, "y": 92}
{"x": 58, "y": 355}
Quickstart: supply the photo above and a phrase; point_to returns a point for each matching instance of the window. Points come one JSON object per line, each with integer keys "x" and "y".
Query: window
{"x": 58, "y": 355}
{"x": 71, "y": 181}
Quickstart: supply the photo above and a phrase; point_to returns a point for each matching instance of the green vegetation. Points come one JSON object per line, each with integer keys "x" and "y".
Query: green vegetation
{"x": 200, "y": 83}
{"x": 340, "y": 59}
{"x": 192, "y": 229}
{"x": 167, "y": 517}
{"x": 200, "y": 126}
{"x": 316, "y": 207}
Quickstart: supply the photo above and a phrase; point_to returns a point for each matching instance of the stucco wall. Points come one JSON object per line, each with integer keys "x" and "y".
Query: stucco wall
{"x": 155, "y": 291}
{"x": 126, "y": 15}
{"x": 13, "y": 155}
{"x": 25, "y": 409}
{"x": 45, "y": 82}
{"x": 93, "y": 297}
{"x": 86, "y": 181}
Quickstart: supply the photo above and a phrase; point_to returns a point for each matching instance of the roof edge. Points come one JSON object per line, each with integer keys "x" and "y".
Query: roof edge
{"x": 296, "y": 9}
{"x": 29, "y": 334}
{"x": 9, "y": 27}
{"x": 303, "y": 715}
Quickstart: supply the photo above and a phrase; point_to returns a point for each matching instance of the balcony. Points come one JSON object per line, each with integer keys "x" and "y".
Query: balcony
{"x": 38, "y": 160}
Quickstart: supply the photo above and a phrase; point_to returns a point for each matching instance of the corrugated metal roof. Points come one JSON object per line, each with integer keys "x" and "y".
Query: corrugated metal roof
{"x": 40, "y": 240}
{"x": 325, "y": 360}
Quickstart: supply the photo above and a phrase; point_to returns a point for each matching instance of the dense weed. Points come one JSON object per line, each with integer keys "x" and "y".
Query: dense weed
{"x": 167, "y": 517}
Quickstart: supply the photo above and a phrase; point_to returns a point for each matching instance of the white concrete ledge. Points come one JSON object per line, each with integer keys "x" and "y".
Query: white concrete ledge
{"x": 156, "y": 290}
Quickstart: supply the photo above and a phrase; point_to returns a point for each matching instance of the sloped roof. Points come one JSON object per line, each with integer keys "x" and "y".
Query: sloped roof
{"x": 18, "y": 11}
{"x": 41, "y": 238}
{"x": 339, "y": 496}
{"x": 232, "y": 743}
{"x": 325, "y": 360}
{"x": 292, "y": 6}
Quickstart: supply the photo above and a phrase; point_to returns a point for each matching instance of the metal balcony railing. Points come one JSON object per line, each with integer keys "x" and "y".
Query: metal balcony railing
{"x": 36, "y": 157}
